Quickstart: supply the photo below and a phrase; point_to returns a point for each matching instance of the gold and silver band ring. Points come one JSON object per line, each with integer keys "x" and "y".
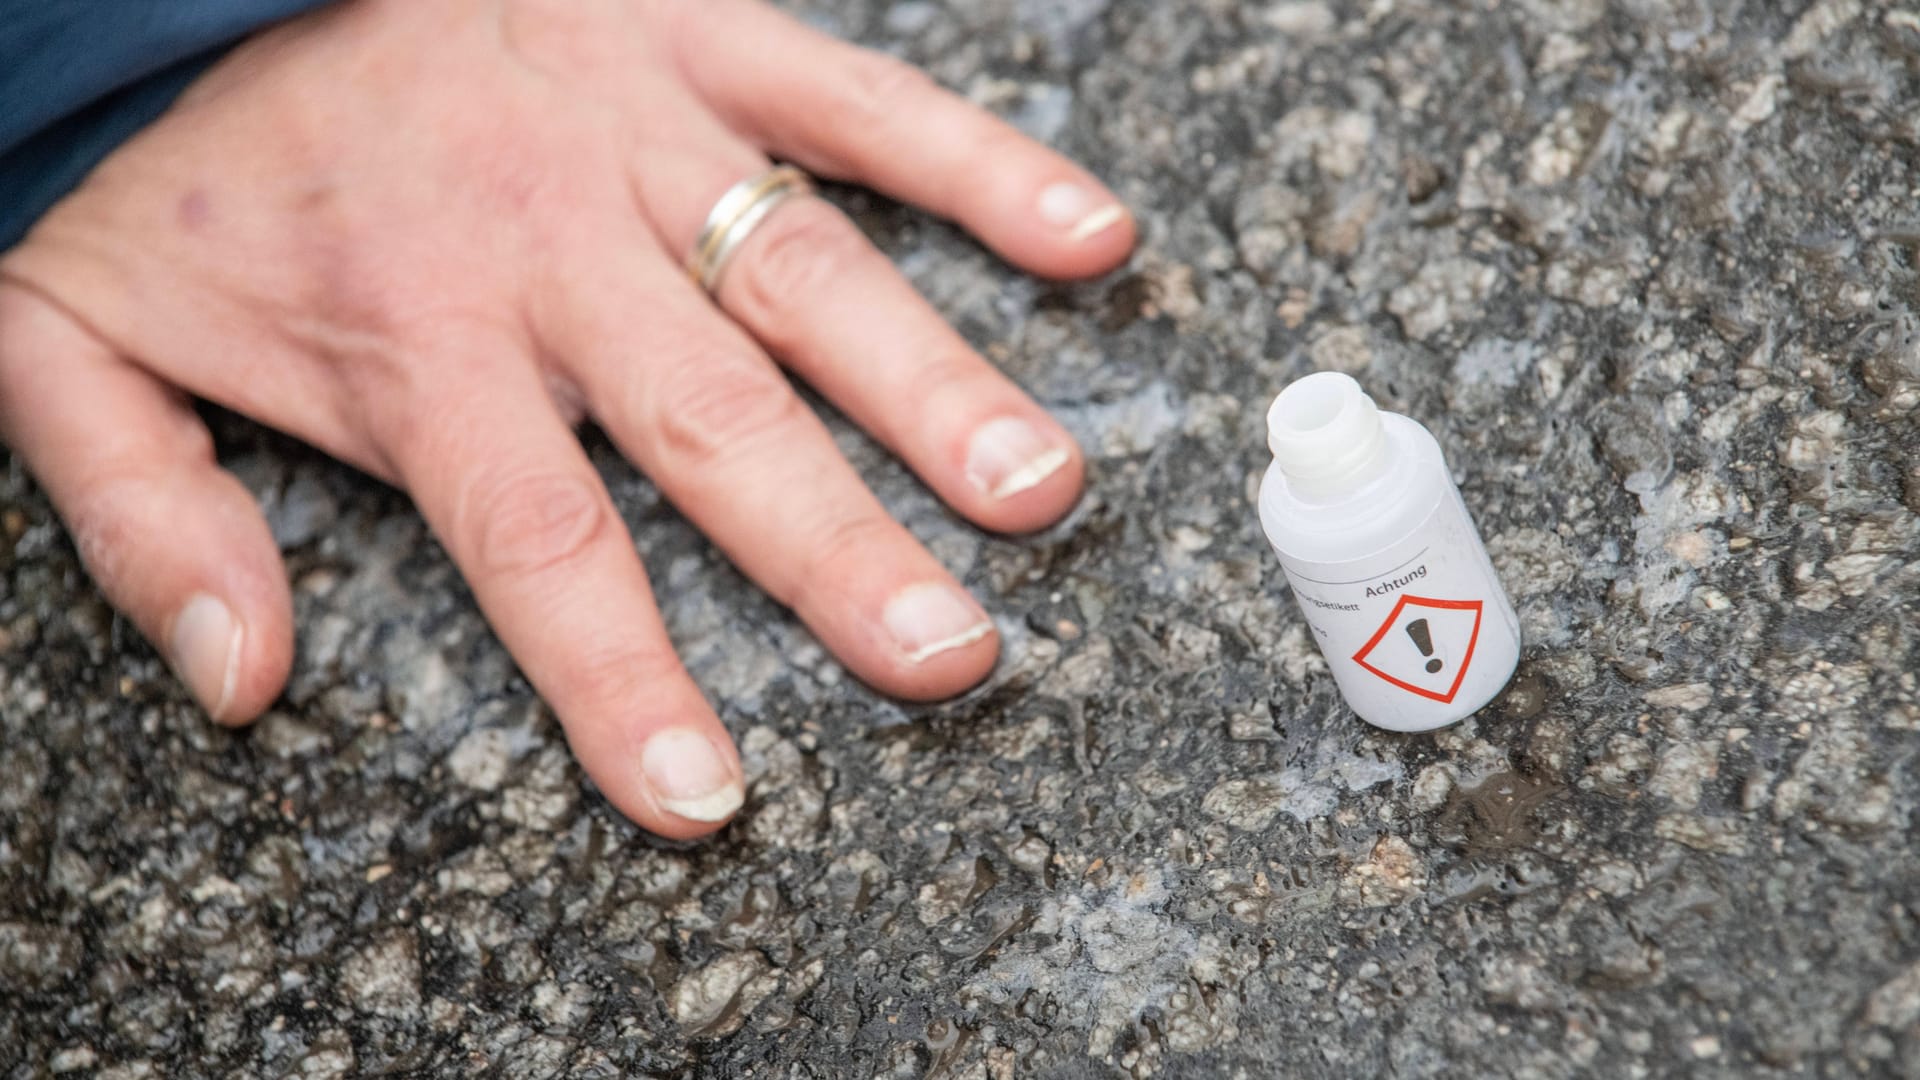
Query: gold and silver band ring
{"x": 744, "y": 206}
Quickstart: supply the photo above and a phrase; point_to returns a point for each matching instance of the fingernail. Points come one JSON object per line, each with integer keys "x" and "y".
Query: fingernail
{"x": 1009, "y": 455}
{"x": 205, "y": 643}
{"x": 928, "y": 619}
{"x": 1080, "y": 210}
{"x": 689, "y": 777}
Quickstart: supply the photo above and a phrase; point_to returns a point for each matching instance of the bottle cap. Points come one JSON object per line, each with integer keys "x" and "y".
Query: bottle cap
{"x": 1326, "y": 435}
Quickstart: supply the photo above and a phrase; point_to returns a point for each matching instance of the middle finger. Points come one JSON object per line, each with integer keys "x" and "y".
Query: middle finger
{"x": 693, "y": 402}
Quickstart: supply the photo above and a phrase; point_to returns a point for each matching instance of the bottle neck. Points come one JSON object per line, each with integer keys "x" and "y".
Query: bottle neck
{"x": 1327, "y": 437}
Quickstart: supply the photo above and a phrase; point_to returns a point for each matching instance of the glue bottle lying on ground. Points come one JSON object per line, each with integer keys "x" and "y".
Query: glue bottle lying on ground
{"x": 1385, "y": 563}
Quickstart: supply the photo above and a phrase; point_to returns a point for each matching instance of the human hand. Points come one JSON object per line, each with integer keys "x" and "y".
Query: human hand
{"x": 428, "y": 237}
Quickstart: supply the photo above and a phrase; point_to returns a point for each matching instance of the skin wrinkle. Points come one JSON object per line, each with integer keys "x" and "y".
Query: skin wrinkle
{"x": 529, "y": 524}
{"x": 935, "y": 382}
{"x": 871, "y": 90}
{"x": 716, "y": 406}
{"x": 803, "y": 252}
{"x": 844, "y": 540}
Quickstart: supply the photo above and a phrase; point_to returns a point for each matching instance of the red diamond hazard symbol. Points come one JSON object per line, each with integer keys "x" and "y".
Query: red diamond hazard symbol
{"x": 1425, "y": 645}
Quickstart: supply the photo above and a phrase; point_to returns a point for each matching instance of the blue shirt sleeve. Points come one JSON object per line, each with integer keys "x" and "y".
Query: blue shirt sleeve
{"x": 78, "y": 77}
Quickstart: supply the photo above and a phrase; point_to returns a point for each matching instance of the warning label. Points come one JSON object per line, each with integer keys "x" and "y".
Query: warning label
{"x": 1425, "y": 646}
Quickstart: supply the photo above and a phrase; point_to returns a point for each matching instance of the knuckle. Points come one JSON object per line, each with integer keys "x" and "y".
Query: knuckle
{"x": 985, "y": 138}
{"x": 847, "y": 542}
{"x": 803, "y": 250}
{"x": 520, "y": 523}
{"x": 991, "y": 139}
{"x": 707, "y": 405}
{"x": 946, "y": 379}
{"x": 876, "y": 89}
{"x": 620, "y": 673}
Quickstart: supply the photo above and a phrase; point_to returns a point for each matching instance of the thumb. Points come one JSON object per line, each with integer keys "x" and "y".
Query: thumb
{"x": 173, "y": 540}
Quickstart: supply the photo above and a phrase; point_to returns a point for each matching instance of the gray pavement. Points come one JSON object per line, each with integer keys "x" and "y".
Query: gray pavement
{"x": 1648, "y": 272}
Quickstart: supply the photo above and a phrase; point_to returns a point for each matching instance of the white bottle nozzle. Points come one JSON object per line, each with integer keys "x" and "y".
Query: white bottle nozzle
{"x": 1326, "y": 435}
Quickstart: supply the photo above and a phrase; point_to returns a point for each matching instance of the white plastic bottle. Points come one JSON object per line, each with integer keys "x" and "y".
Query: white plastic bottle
{"x": 1384, "y": 561}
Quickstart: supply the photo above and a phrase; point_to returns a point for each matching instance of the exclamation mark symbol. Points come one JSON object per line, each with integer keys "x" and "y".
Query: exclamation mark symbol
{"x": 1423, "y": 640}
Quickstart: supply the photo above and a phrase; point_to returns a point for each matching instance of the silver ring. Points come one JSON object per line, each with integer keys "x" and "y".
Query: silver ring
{"x": 744, "y": 206}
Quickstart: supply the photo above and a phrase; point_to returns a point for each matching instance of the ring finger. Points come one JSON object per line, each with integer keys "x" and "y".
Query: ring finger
{"x": 831, "y": 307}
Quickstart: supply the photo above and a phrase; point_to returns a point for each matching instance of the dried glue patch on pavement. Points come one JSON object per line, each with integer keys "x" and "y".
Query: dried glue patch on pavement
{"x": 1107, "y": 960}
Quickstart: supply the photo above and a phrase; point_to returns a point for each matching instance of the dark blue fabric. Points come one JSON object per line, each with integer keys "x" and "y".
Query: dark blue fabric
{"x": 77, "y": 77}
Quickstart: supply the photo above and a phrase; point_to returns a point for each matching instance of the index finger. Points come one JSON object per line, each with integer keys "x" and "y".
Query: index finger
{"x": 509, "y": 491}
